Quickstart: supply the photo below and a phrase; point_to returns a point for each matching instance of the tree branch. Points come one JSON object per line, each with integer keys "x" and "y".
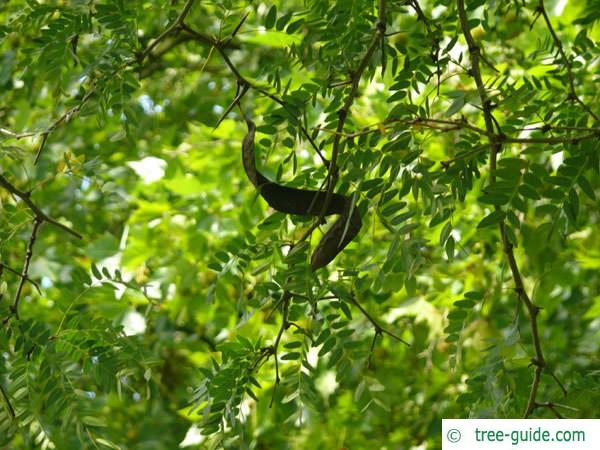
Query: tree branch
{"x": 220, "y": 47}
{"x": 178, "y": 21}
{"x": 13, "y": 271}
{"x": 67, "y": 115}
{"x": 551, "y": 407}
{"x": 496, "y": 140}
{"x": 343, "y": 113}
{"x": 378, "y": 328}
{"x": 39, "y": 214}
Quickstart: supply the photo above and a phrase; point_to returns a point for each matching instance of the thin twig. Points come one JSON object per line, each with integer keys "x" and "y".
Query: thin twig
{"x": 468, "y": 154}
{"x": 455, "y": 125}
{"x": 474, "y": 51}
{"x": 332, "y": 174}
{"x": 551, "y": 407}
{"x": 24, "y": 274}
{"x": 378, "y": 328}
{"x": 67, "y": 115}
{"x": 241, "y": 91}
{"x": 13, "y": 271}
{"x": 541, "y": 9}
{"x": 63, "y": 118}
{"x": 420, "y": 14}
{"x": 558, "y": 382}
{"x": 220, "y": 47}
{"x": 178, "y": 21}
{"x": 552, "y": 140}
{"x": 549, "y": 127}
{"x": 39, "y": 214}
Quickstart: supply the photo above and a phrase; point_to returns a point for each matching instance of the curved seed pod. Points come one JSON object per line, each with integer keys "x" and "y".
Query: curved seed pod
{"x": 304, "y": 202}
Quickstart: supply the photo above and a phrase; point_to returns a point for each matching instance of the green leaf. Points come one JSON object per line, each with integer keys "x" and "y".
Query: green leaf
{"x": 455, "y": 107}
{"x": 93, "y": 421}
{"x": 491, "y": 219}
{"x": 294, "y": 26}
{"x": 527, "y": 191}
{"x": 214, "y": 266}
{"x": 450, "y": 248}
{"x": 294, "y": 344}
{"x": 468, "y": 304}
{"x": 408, "y": 228}
{"x": 96, "y": 272}
{"x": 402, "y": 217}
{"x": 282, "y": 21}
{"x": 271, "y": 17}
{"x": 445, "y": 233}
{"x": 494, "y": 199}
{"x": 457, "y": 314}
{"x": 474, "y": 295}
{"x": 586, "y": 187}
{"x": 327, "y": 346}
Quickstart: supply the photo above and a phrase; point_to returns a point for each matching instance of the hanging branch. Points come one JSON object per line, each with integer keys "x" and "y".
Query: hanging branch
{"x": 378, "y": 39}
{"x": 541, "y": 10}
{"x": 496, "y": 139}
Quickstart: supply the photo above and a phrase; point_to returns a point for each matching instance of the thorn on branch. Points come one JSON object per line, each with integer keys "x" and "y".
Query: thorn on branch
{"x": 558, "y": 382}
{"x": 551, "y": 407}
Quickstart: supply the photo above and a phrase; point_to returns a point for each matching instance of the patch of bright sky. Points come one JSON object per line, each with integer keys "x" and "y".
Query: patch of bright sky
{"x": 327, "y": 383}
{"x": 133, "y": 323}
{"x": 149, "y": 169}
{"x": 148, "y": 105}
{"x": 560, "y": 6}
{"x": 193, "y": 437}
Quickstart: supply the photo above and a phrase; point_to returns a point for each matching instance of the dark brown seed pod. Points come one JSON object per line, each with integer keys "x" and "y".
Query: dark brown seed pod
{"x": 305, "y": 202}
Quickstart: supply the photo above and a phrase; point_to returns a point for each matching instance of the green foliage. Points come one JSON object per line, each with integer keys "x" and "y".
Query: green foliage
{"x": 187, "y": 313}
